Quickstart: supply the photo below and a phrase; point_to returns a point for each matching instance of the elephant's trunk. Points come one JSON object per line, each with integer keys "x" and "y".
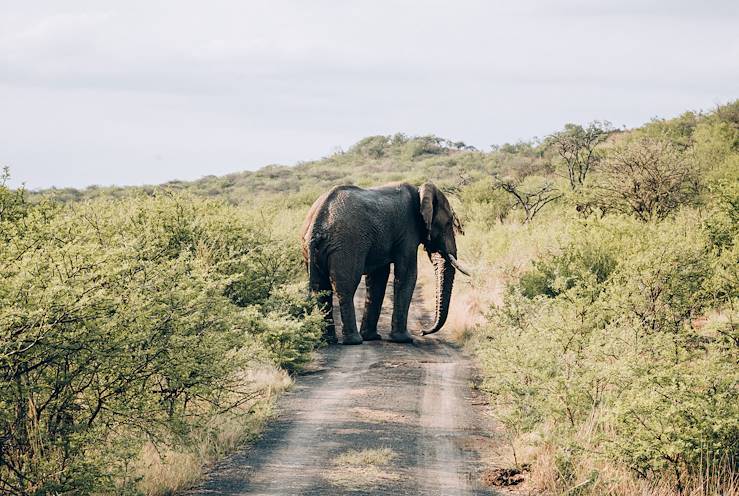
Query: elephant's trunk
{"x": 444, "y": 282}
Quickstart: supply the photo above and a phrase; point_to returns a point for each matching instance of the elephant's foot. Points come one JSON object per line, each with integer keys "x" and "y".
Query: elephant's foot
{"x": 371, "y": 336}
{"x": 401, "y": 337}
{"x": 329, "y": 335}
{"x": 352, "y": 339}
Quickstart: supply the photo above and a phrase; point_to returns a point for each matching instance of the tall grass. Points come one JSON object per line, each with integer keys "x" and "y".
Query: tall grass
{"x": 608, "y": 379}
{"x": 167, "y": 470}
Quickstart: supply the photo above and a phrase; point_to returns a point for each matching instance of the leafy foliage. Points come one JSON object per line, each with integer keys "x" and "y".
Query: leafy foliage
{"x": 133, "y": 316}
{"x": 577, "y": 148}
{"x": 531, "y": 195}
{"x": 118, "y": 325}
{"x": 648, "y": 178}
{"x": 618, "y": 343}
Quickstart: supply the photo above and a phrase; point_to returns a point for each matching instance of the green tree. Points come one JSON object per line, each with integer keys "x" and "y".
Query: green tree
{"x": 648, "y": 178}
{"x": 577, "y": 147}
{"x": 530, "y": 195}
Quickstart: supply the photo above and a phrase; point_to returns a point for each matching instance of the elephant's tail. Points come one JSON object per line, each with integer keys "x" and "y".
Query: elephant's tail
{"x": 316, "y": 263}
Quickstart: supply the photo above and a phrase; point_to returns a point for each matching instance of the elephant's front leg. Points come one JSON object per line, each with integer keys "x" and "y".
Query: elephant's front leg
{"x": 376, "y": 282}
{"x": 403, "y": 286}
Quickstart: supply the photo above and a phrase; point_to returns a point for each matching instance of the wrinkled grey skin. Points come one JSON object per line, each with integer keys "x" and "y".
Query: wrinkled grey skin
{"x": 350, "y": 231}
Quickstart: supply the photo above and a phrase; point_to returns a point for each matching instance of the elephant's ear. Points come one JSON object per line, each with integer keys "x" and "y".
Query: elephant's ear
{"x": 427, "y": 192}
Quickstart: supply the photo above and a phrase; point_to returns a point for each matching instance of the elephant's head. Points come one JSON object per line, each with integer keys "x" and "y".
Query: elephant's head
{"x": 441, "y": 246}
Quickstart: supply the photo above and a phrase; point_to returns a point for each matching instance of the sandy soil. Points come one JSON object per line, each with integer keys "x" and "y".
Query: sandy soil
{"x": 412, "y": 401}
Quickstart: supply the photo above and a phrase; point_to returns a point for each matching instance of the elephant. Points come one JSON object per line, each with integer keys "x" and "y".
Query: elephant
{"x": 351, "y": 231}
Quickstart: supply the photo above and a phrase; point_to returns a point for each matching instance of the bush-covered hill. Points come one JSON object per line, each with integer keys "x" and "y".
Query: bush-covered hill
{"x": 603, "y": 310}
{"x": 371, "y": 161}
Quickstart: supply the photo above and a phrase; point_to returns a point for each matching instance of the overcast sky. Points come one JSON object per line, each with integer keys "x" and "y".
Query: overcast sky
{"x": 135, "y": 92}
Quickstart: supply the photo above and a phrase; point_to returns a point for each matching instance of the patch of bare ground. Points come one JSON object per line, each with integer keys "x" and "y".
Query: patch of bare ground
{"x": 380, "y": 416}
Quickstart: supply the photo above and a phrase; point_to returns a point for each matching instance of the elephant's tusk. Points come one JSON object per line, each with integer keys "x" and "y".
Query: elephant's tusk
{"x": 456, "y": 265}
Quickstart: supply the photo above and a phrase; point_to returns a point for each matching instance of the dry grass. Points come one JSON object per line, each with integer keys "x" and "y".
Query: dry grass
{"x": 379, "y": 456}
{"x": 166, "y": 471}
{"x": 471, "y": 299}
{"x": 469, "y": 305}
{"x": 362, "y": 469}
{"x": 593, "y": 476}
{"x": 495, "y": 257}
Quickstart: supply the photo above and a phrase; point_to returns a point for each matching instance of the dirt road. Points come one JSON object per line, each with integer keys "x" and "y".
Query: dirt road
{"x": 378, "y": 418}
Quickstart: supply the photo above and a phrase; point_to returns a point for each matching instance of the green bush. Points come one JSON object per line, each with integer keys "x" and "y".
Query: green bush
{"x": 118, "y": 325}
{"x": 486, "y": 203}
{"x": 649, "y": 178}
{"x": 584, "y": 263}
{"x": 601, "y": 338}
{"x": 288, "y": 340}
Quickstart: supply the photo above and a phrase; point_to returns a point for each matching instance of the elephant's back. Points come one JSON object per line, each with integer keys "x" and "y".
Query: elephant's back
{"x": 353, "y": 197}
{"x": 323, "y": 215}
{"x": 340, "y": 203}
{"x": 349, "y": 210}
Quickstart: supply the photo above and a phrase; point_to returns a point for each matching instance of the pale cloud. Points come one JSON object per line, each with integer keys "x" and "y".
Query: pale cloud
{"x": 140, "y": 92}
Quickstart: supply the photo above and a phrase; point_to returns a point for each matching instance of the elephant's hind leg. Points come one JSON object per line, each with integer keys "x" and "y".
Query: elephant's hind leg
{"x": 376, "y": 283}
{"x": 344, "y": 289}
{"x": 321, "y": 289}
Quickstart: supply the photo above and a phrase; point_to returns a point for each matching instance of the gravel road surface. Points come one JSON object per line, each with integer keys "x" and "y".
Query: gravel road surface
{"x": 379, "y": 418}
